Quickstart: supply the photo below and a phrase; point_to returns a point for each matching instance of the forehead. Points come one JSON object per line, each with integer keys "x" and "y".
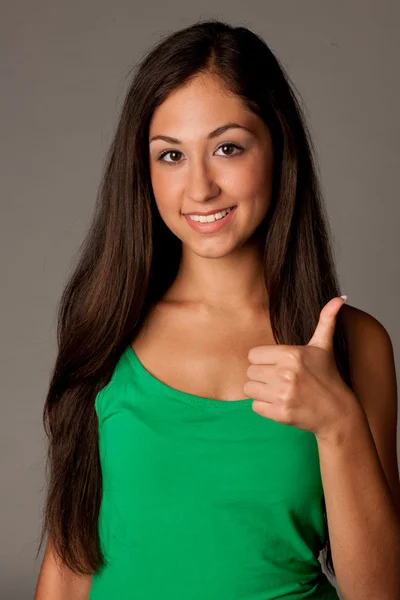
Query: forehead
{"x": 198, "y": 107}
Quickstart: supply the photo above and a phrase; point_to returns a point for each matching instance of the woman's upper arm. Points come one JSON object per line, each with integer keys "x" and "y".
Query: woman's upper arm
{"x": 57, "y": 582}
{"x": 375, "y": 385}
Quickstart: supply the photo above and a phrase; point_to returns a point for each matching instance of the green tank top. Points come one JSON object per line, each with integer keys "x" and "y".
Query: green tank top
{"x": 203, "y": 499}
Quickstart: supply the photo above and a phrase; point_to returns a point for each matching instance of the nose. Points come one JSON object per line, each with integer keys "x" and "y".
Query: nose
{"x": 201, "y": 184}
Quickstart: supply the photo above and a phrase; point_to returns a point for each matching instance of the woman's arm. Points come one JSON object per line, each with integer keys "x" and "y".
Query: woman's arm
{"x": 57, "y": 582}
{"x": 360, "y": 472}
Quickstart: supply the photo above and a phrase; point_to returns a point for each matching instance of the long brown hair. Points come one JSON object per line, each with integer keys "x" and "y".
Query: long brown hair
{"x": 122, "y": 268}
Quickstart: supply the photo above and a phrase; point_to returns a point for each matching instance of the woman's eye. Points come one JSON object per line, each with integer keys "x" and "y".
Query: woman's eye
{"x": 160, "y": 158}
{"x": 230, "y": 145}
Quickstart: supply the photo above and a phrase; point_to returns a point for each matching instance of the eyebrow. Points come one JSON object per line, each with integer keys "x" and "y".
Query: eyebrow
{"x": 210, "y": 136}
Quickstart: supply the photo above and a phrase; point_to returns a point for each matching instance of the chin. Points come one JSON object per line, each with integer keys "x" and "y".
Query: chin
{"x": 211, "y": 249}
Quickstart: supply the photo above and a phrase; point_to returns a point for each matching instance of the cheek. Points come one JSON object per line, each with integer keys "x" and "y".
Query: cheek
{"x": 163, "y": 175}
{"x": 262, "y": 172}
{"x": 254, "y": 178}
{"x": 254, "y": 189}
{"x": 166, "y": 191}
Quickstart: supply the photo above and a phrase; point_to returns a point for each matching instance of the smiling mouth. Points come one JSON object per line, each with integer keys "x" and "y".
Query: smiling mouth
{"x": 211, "y": 212}
{"x": 211, "y": 218}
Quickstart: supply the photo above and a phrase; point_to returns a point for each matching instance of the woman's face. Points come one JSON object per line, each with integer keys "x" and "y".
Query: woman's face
{"x": 201, "y": 172}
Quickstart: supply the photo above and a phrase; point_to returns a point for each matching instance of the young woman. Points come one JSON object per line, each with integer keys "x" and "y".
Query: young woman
{"x": 216, "y": 416}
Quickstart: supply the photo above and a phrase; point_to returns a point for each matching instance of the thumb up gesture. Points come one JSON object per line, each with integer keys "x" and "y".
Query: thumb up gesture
{"x": 301, "y": 385}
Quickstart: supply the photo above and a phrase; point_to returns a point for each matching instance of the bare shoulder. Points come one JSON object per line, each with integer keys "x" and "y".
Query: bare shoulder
{"x": 57, "y": 581}
{"x": 362, "y": 327}
{"x": 373, "y": 371}
{"x": 371, "y": 356}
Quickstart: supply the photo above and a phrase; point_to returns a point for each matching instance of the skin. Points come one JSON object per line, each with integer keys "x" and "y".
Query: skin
{"x": 200, "y": 176}
{"x": 218, "y": 299}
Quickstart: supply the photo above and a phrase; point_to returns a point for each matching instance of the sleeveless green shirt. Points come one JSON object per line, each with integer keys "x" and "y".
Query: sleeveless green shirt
{"x": 204, "y": 499}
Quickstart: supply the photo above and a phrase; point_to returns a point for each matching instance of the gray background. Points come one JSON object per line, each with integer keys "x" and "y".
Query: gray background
{"x": 63, "y": 70}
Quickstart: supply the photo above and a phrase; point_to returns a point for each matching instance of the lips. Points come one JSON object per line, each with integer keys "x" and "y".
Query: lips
{"x": 213, "y": 226}
{"x": 211, "y": 212}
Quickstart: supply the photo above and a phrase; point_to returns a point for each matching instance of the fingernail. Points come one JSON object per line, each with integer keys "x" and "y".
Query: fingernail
{"x": 344, "y": 298}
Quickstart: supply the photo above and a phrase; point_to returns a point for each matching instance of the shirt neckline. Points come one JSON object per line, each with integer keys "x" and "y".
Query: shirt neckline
{"x": 163, "y": 388}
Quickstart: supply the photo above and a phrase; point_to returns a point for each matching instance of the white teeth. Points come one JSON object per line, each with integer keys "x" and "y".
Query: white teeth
{"x": 210, "y": 218}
